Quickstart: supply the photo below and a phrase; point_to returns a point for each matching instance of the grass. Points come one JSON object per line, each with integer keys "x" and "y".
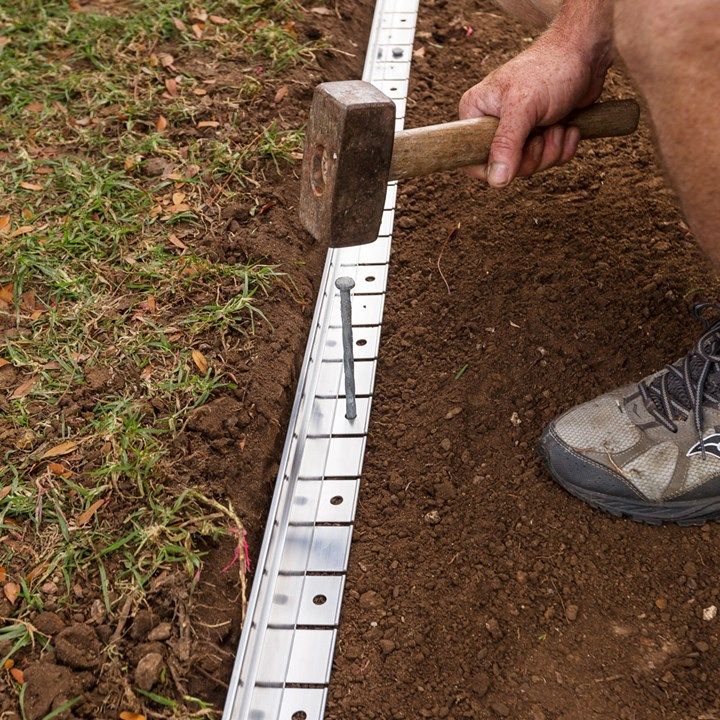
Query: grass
{"x": 114, "y": 320}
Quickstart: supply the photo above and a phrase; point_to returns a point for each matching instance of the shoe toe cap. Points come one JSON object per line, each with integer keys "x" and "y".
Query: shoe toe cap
{"x": 578, "y": 473}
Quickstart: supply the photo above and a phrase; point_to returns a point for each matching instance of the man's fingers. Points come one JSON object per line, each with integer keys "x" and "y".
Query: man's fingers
{"x": 554, "y": 138}
{"x": 532, "y": 155}
{"x": 570, "y": 144}
{"x": 506, "y": 151}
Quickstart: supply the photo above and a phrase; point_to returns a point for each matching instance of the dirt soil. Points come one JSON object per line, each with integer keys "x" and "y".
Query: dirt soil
{"x": 478, "y": 588}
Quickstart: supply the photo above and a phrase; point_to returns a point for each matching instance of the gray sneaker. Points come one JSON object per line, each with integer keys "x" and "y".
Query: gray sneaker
{"x": 650, "y": 451}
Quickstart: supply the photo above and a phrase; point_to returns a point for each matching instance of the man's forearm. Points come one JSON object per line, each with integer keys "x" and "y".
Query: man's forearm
{"x": 587, "y": 26}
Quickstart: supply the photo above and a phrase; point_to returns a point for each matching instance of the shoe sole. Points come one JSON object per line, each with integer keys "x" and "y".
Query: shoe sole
{"x": 679, "y": 512}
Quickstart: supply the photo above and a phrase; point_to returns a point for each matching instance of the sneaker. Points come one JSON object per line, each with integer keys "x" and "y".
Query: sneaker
{"x": 650, "y": 451}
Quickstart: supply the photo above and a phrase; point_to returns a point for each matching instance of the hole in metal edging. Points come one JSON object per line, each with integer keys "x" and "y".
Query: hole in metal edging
{"x": 361, "y": 342}
{"x": 369, "y": 278}
{"x": 299, "y": 715}
{"x": 336, "y": 500}
{"x": 319, "y": 599}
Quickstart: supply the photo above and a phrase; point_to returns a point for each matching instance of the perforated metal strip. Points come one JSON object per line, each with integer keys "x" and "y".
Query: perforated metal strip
{"x": 282, "y": 668}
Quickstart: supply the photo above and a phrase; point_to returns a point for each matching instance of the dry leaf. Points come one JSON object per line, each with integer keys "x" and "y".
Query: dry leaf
{"x": 27, "y": 213}
{"x": 3, "y": 574}
{"x": 8, "y": 664}
{"x": 35, "y": 107}
{"x": 36, "y": 572}
{"x": 44, "y": 170}
{"x": 84, "y": 517}
{"x": 218, "y": 20}
{"x": 174, "y": 240}
{"x": 4, "y": 223}
{"x": 208, "y": 123}
{"x": 179, "y": 24}
{"x": 199, "y": 91}
{"x": 22, "y": 230}
{"x": 281, "y": 93}
{"x": 166, "y": 59}
{"x": 30, "y": 186}
{"x": 11, "y": 591}
{"x": 321, "y": 10}
{"x": 127, "y": 715}
{"x": 18, "y": 675}
{"x": 200, "y": 361}
{"x": 4, "y": 492}
{"x": 59, "y": 469}
{"x": 171, "y": 85}
{"x": 129, "y": 163}
{"x": 4, "y": 362}
{"x": 6, "y": 293}
{"x": 22, "y": 390}
{"x": 160, "y": 123}
{"x": 197, "y": 29}
{"x": 147, "y": 372}
{"x": 64, "y": 448}
{"x": 178, "y": 198}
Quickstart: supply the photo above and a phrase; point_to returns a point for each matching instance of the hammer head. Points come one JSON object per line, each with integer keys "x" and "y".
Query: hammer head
{"x": 348, "y": 149}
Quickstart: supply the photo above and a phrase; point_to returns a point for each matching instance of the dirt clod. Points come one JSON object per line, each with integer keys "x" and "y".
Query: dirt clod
{"x": 78, "y": 646}
{"x": 47, "y": 686}
{"x": 49, "y": 623}
{"x": 162, "y": 632}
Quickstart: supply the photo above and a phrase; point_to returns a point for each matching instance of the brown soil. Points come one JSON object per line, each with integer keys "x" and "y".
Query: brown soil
{"x": 502, "y": 596}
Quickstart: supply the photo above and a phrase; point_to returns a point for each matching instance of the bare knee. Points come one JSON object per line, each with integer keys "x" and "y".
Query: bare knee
{"x": 534, "y": 13}
{"x": 656, "y": 36}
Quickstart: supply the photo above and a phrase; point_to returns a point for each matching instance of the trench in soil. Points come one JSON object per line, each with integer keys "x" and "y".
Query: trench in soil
{"x": 503, "y": 310}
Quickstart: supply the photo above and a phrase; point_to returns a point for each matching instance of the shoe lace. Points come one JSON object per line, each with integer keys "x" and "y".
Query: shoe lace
{"x": 689, "y": 384}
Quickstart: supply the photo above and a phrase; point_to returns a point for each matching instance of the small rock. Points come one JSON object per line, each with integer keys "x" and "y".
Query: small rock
{"x": 493, "y": 627}
{"x": 571, "y": 612}
{"x": 148, "y": 670}
{"x": 453, "y": 413}
{"x": 97, "y": 612}
{"x": 702, "y": 646}
{"x": 661, "y": 603}
{"x": 432, "y": 518}
{"x": 162, "y": 632}
{"x": 144, "y": 622}
{"x": 500, "y": 709}
{"x": 49, "y": 623}
{"x": 709, "y": 613}
{"x": 155, "y": 166}
{"x": 371, "y": 599}
{"x": 49, "y": 588}
{"x": 387, "y": 646}
{"x": 668, "y": 677}
{"x": 446, "y": 444}
{"x": 515, "y": 419}
{"x": 521, "y": 576}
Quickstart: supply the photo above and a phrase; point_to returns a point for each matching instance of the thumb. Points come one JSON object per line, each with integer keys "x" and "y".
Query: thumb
{"x": 507, "y": 146}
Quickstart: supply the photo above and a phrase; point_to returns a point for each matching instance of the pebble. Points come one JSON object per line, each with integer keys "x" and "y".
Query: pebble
{"x": 162, "y": 632}
{"x": 493, "y": 627}
{"x": 571, "y": 612}
{"x": 445, "y": 444}
{"x": 148, "y": 670}
{"x": 661, "y": 603}
{"x": 49, "y": 588}
{"x": 709, "y": 613}
{"x": 432, "y": 518}
{"x": 702, "y": 646}
{"x": 371, "y": 599}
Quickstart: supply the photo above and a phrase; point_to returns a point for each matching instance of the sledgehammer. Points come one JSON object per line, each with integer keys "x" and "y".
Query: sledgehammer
{"x": 352, "y": 151}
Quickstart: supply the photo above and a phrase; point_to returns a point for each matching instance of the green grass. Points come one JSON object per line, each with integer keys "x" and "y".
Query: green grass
{"x": 101, "y": 277}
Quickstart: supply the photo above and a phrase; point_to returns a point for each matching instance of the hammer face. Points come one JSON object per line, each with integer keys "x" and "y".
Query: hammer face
{"x": 348, "y": 149}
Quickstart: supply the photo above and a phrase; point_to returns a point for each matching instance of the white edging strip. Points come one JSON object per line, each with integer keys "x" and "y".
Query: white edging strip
{"x": 284, "y": 658}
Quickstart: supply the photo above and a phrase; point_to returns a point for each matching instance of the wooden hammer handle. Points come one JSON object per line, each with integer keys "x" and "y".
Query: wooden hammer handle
{"x": 434, "y": 148}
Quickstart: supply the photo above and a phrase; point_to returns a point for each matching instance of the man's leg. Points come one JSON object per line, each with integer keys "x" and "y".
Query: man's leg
{"x": 652, "y": 450}
{"x": 672, "y": 51}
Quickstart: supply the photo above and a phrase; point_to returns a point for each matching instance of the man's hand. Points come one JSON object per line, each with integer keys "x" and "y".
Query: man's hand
{"x": 563, "y": 70}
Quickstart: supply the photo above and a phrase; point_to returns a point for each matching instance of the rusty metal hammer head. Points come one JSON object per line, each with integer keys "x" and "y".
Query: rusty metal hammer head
{"x": 348, "y": 149}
